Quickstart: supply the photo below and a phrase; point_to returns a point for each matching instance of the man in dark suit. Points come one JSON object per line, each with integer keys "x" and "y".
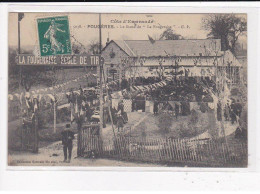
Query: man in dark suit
{"x": 67, "y": 138}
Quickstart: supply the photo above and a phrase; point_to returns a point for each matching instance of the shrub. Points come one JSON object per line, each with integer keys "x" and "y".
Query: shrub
{"x": 165, "y": 122}
{"x": 212, "y": 125}
{"x": 45, "y": 117}
{"x": 63, "y": 115}
{"x": 185, "y": 130}
{"x": 194, "y": 117}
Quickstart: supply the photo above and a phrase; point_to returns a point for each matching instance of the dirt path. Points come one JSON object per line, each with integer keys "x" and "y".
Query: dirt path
{"x": 228, "y": 127}
{"x": 52, "y": 155}
{"x": 134, "y": 118}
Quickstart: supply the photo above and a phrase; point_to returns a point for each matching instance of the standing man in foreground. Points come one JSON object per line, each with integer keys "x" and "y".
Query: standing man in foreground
{"x": 67, "y": 142}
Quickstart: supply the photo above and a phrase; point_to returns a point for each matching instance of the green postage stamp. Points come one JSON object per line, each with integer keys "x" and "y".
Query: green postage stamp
{"x": 54, "y": 35}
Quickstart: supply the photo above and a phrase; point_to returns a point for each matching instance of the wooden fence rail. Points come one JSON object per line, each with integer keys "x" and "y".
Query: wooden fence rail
{"x": 194, "y": 151}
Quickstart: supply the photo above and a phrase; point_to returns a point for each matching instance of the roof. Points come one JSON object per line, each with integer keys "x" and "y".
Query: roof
{"x": 231, "y": 59}
{"x": 124, "y": 46}
{"x": 194, "y": 47}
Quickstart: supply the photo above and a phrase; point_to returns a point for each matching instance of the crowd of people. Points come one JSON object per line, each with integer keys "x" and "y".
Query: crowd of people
{"x": 181, "y": 91}
{"x": 177, "y": 90}
{"x": 189, "y": 89}
{"x": 85, "y": 107}
{"x": 232, "y": 111}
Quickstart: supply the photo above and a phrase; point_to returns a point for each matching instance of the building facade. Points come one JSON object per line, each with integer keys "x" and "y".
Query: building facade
{"x": 143, "y": 58}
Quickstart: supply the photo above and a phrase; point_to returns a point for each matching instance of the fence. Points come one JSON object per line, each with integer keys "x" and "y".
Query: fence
{"x": 89, "y": 140}
{"x": 208, "y": 152}
{"x": 195, "y": 152}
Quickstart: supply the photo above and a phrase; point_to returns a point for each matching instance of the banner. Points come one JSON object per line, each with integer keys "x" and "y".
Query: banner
{"x": 60, "y": 60}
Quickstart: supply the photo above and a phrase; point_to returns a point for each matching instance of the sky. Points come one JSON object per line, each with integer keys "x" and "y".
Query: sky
{"x": 115, "y": 26}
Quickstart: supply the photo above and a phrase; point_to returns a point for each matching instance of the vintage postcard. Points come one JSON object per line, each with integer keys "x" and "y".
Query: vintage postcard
{"x": 128, "y": 90}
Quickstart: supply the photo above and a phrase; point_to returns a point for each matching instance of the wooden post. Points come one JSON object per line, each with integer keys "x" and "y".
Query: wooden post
{"x": 55, "y": 117}
{"x": 109, "y": 109}
{"x": 20, "y": 80}
{"x": 36, "y": 132}
{"x": 100, "y": 83}
{"x": 19, "y": 42}
{"x": 79, "y": 147}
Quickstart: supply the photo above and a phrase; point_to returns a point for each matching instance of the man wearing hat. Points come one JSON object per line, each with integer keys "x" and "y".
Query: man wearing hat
{"x": 67, "y": 138}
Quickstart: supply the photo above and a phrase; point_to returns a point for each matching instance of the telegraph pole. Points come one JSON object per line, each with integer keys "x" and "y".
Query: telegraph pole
{"x": 100, "y": 80}
{"x": 19, "y": 49}
{"x": 20, "y": 17}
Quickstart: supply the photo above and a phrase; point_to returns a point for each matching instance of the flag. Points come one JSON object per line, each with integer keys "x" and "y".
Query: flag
{"x": 151, "y": 39}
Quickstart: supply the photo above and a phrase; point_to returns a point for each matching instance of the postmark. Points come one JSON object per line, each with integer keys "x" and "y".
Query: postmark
{"x": 54, "y": 36}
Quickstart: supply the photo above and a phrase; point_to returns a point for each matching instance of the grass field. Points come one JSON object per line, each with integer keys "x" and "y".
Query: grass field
{"x": 166, "y": 125}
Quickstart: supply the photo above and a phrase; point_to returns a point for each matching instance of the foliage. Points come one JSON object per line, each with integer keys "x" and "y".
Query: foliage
{"x": 192, "y": 127}
{"x": 165, "y": 122}
{"x": 212, "y": 124}
{"x": 226, "y": 27}
{"x": 94, "y": 47}
{"x": 29, "y": 76}
{"x": 187, "y": 130}
{"x": 143, "y": 129}
{"x": 194, "y": 117}
{"x": 63, "y": 115}
{"x": 76, "y": 48}
{"x": 169, "y": 34}
{"x": 26, "y": 74}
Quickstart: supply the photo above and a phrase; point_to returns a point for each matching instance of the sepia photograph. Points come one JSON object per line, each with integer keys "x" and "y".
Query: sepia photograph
{"x": 127, "y": 90}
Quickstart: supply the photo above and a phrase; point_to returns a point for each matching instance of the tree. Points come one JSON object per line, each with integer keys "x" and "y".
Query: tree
{"x": 128, "y": 64}
{"x": 94, "y": 47}
{"x": 13, "y": 68}
{"x": 76, "y": 48}
{"x": 169, "y": 34}
{"x": 25, "y": 75}
{"x": 29, "y": 75}
{"x": 227, "y": 27}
